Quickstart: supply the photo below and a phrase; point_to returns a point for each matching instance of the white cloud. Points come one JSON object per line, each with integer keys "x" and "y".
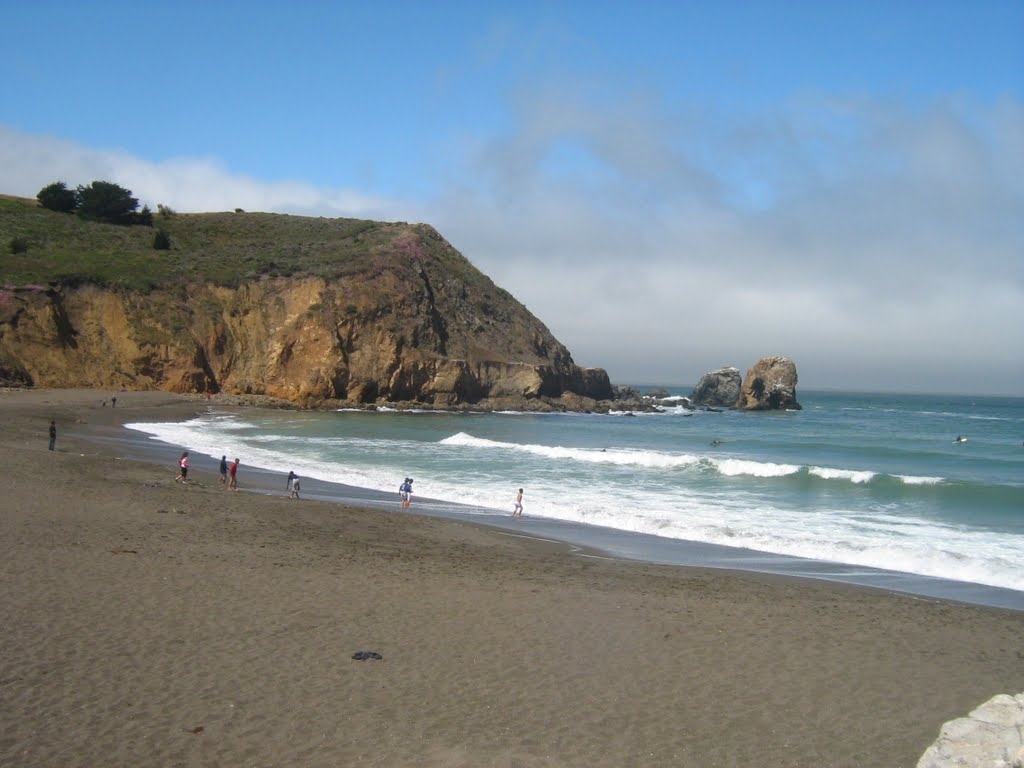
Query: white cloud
{"x": 185, "y": 184}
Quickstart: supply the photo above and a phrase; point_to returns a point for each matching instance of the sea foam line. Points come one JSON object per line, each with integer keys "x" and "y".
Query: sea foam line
{"x": 729, "y": 467}
{"x": 736, "y": 467}
{"x": 598, "y": 456}
{"x": 854, "y": 476}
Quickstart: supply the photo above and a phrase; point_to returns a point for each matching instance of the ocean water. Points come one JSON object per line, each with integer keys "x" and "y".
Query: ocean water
{"x": 869, "y": 480}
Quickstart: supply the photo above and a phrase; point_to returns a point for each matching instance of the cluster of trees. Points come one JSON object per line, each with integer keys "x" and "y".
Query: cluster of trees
{"x": 101, "y": 201}
{"x": 98, "y": 201}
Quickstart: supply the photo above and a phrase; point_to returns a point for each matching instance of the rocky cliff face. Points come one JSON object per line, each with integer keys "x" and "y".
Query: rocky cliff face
{"x": 416, "y": 323}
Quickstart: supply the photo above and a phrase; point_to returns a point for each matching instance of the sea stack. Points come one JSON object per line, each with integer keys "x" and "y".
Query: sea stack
{"x": 719, "y": 388}
{"x": 769, "y": 385}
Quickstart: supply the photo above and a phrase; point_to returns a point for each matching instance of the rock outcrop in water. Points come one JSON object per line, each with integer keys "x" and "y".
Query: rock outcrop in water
{"x": 991, "y": 736}
{"x": 769, "y": 385}
{"x": 718, "y": 388}
{"x": 307, "y": 310}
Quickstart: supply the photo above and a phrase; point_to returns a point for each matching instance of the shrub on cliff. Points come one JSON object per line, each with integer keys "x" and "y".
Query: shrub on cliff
{"x": 57, "y": 197}
{"x": 161, "y": 241}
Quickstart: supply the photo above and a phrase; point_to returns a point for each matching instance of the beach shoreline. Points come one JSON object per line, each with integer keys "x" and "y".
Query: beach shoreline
{"x": 611, "y": 542}
{"x": 156, "y": 623}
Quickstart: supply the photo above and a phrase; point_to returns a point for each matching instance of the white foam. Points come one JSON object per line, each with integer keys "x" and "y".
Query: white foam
{"x": 735, "y": 467}
{"x": 913, "y": 480}
{"x": 219, "y": 436}
{"x": 853, "y": 475}
{"x": 887, "y": 542}
{"x": 606, "y": 456}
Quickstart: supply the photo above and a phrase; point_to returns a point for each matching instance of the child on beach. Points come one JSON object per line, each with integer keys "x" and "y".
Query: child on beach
{"x": 233, "y": 475}
{"x": 183, "y": 465}
{"x": 223, "y": 470}
{"x": 295, "y": 487}
{"x": 518, "y": 511}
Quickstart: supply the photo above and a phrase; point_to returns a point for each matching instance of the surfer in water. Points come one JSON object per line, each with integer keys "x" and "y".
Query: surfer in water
{"x": 960, "y": 439}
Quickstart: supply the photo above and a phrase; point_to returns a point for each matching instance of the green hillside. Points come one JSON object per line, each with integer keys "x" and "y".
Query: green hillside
{"x": 221, "y": 248}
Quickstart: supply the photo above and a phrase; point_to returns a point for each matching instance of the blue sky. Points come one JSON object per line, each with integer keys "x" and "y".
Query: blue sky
{"x": 671, "y": 187}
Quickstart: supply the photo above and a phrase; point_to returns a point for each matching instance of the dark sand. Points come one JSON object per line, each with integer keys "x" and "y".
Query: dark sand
{"x": 151, "y": 623}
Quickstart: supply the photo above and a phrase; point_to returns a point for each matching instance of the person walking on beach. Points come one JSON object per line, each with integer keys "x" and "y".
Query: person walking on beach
{"x": 405, "y": 491}
{"x": 295, "y": 487}
{"x": 53, "y": 434}
{"x": 223, "y": 470}
{"x": 183, "y": 465}
{"x": 291, "y": 477}
{"x": 233, "y": 476}
{"x": 518, "y": 510}
{"x": 113, "y": 402}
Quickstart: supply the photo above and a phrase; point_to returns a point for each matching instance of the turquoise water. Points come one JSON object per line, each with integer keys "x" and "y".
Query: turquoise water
{"x": 862, "y": 479}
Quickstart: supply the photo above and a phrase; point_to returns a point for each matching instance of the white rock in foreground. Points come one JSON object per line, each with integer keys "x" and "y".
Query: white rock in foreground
{"x": 992, "y": 736}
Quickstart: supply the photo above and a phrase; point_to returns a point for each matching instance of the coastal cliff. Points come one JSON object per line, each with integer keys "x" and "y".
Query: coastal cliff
{"x": 297, "y": 308}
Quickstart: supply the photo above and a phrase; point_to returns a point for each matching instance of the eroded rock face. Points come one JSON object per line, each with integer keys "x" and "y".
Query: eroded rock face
{"x": 410, "y": 331}
{"x": 720, "y": 388}
{"x": 769, "y": 385}
{"x": 992, "y": 736}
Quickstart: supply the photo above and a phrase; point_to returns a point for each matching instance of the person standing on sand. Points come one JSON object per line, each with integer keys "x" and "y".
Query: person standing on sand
{"x": 113, "y": 402}
{"x": 295, "y": 487}
{"x": 518, "y": 511}
{"x": 183, "y": 465}
{"x": 406, "y": 492}
{"x": 223, "y": 469}
{"x": 291, "y": 477}
{"x": 233, "y": 475}
{"x": 53, "y": 434}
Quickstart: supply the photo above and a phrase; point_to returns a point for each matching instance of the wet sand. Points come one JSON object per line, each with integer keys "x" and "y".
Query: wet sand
{"x": 151, "y": 623}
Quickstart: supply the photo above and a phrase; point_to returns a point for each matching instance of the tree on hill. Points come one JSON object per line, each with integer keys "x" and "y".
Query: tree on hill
{"x": 108, "y": 202}
{"x": 57, "y": 197}
{"x": 161, "y": 241}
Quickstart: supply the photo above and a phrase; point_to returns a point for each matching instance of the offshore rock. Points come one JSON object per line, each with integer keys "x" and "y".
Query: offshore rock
{"x": 990, "y": 736}
{"x": 769, "y": 385}
{"x": 720, "y": 387}
{"x": 625, "y": 392}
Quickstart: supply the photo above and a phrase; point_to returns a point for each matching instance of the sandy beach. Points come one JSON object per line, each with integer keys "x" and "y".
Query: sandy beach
{"x": 152, "y": 623}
